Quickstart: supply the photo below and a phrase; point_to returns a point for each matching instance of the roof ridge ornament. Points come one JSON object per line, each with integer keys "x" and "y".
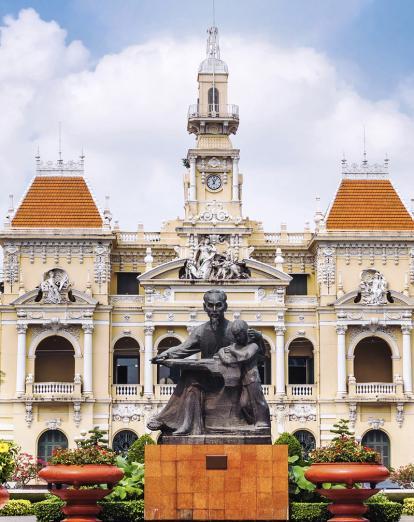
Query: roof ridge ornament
{"x": 365, "y": 170}
{"x": 60, "y": 167}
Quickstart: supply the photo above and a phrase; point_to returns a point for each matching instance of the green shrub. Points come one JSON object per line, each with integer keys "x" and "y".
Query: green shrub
{"x": 131, "y": 486}
{"x": 384, "y": 512}
{"x": 130, "y": 511}
{"x": 379, "y": 498}
{"x": 136, "y": 452}
{"x": 408, "y": 506}
{"x": 295, "y": 449}
{"x": 307, "y": 512}
{"x": 17, "y": 508}
{"x": 49, "y": 510}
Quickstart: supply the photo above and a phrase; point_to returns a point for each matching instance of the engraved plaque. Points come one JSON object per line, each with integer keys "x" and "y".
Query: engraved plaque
{"x": 216, "y": 461}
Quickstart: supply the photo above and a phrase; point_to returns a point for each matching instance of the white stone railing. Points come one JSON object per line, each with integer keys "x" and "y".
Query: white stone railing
{"x": 134, "y": 237}
{"x": 294, "y": 238}
{"x": 126, "y": 390}
{"x": 267, "y": 390}
{"x": 163, "y": 391}
{"x": 376, "y": 388}
{"x": 128, "y": 237}
{"x": 300, "y": 390}
{"x": 214, "y": 111}
{"x": 125, "y": 300}
{"x": 154, "y": 237}
{"x": 53, "y": 388}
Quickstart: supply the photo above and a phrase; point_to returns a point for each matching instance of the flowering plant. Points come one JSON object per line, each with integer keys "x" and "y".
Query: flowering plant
{"x": 404, "y": 476}
{"x": 8, "y": 452}
{"x": 91, "y": 450}
{"x": 26, "y": 469}
{"x": 344, "y": 448}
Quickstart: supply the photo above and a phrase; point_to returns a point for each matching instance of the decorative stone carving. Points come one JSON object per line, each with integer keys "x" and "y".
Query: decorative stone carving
{"x": 375, "y": 423}
{"x": 126, "y": 413}
{"x": 77, "y": 416}
{"x": 352, "y": 414}
{"x": 53, "y": 424}
{"x": 56, "y": 326}
{"x": 101, "y": 264}
{"x": 29, "y": 378}
{"x": 162, "y": 296}
{"x": 214, "y": 213}
{"x": 28, "y": 416}
{"x": 208, "y": 264}
{"x": 55, "y": 287}
{"x": 326, "y": 266}
{"x": 399, "y": 417}
{"x": 373, "y": 287}
{"x": 302, "y": 413}
{"x": 11, "y": 264}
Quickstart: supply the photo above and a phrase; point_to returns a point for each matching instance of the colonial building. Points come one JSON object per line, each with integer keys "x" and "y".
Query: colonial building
{"x": 85, "y": 306}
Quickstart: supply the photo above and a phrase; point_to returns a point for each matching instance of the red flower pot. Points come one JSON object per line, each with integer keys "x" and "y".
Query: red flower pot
{"x": 347, "y": 504}
{"x": 81, "y": 504}
{"x": 4, "y": 496}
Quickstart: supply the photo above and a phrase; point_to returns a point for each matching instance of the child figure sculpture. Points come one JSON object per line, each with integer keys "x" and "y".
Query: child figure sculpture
{"x": 240, "y": 361}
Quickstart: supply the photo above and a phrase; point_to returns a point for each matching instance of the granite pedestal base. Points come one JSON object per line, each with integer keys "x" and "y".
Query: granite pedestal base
{"x": 215, "y": 439}
{"x": 182, "y": 484}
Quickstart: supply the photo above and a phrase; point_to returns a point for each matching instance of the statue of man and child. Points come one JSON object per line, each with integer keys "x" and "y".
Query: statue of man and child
{"x": 219, "y": 394}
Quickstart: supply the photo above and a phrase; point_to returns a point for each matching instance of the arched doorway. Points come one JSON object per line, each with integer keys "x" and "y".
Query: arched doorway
{"x": 379, "y": 441}
{"x": 123, "y": 440}
{"x": 55, "y": 360}
{"x": 49, "y": 441}
{"x": 126, "y": 361}
{"x": 167, "y": 375}
{"x": 300, "y": 362}
{"x": 373, "y": 362}
{"x": 264, "y": 365}
{"x": 307, "y": 441}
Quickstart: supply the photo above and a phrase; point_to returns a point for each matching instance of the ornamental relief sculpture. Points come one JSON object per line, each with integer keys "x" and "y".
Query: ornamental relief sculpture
{"x": 373, "y": 288}
{"x": 55, "y": 288}
{"x": 209, "y": 264}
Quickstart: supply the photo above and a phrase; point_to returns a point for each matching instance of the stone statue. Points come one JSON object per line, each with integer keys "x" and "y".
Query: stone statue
{"x": 219, "y": 395}
{"x": 55, "y": 288}
{"x": 373, "y": 287}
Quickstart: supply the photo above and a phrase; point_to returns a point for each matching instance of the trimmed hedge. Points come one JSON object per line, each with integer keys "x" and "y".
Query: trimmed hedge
{"x": 136, "y": 452}
{"x": 129, "y": 511}
{"x": 309, "y": 512}
{"x": 318, "y": 512}
{"x": 17, "y": 508}
{"x": 408, "y": 506}
{"x": 295, "y": 449}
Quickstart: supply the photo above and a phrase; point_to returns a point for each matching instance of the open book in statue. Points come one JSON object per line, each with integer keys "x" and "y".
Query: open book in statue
{"x": 219, "y": 397}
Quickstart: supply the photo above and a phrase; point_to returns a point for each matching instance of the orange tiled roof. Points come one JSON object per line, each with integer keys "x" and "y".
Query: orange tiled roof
{"x": 362, "y": 204}
{"x": 58, "y": 202}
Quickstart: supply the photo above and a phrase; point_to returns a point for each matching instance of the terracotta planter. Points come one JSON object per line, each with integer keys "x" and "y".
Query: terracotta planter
{"x": 4, "y": 496}
{"x": 347, "y": 504}
{"x": 81, "y": 504}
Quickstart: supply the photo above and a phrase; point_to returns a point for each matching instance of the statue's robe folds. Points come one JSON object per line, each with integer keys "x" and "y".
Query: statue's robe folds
{"x": 185, "y": 412}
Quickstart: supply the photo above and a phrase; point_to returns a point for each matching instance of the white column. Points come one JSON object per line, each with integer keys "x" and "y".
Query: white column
{"x": 280, "y": 360}
{"x": 192, "y": 178}
{"x": 148, "y": 348}
{"x": 407, "y": 367}
{"x": 236, "y": 178}
{"x": 87, "y": 359}
{"x": 341, "y": 354}
{"x": 21, "y": 359}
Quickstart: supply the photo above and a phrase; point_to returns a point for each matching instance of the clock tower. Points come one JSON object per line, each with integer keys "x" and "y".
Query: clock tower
{"x": 213, "y": 182}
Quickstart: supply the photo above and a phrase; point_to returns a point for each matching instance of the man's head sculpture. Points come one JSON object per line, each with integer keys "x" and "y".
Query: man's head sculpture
{"x": 215, "y": 304}
{"x": 240, "y": 331}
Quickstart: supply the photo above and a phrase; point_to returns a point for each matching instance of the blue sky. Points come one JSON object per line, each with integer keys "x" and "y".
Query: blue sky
{"x": 371, "y": 39}
{"x": 308, "y": 75}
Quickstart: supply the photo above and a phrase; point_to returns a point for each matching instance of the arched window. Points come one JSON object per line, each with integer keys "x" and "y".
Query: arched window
{"x": 264, "y": 365}
{"x": 123, "y": 440}
{"x": 307, "y": 441}
{"x": 378, "y": 441}
{"x": 48, "y": 442}
{"x": 126, "y": 361}
{"x": 55, "y": 360}
{"x": 373, "y": 362}
{"x": 167, "y": 375}
{"x": 213, "y": 100}
{"x": 301, "y": 361}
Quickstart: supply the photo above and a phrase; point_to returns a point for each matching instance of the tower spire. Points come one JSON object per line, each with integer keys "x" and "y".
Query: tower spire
{"x": 213, "y": 48}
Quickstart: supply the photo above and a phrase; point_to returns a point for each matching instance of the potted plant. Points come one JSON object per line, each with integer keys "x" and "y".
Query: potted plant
{"x": 8, "y": 452}
{"x": 77, "y": 476}
{"x": 345, "y": 462}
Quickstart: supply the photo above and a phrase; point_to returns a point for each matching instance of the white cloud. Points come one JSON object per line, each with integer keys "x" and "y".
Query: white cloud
{"x": 129, "y": 112}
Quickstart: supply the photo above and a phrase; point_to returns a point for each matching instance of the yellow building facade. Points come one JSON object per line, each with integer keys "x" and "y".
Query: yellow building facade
{"x": 85, "y": 306}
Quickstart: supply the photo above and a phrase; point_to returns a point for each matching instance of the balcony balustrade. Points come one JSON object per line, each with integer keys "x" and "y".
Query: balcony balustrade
{"x": 214, "y": 111}
{"x": 376, "y": 388}
{"x": 53, "y": 390}
{"x": 301, "y": 390}
{"x": 126, "y": 391}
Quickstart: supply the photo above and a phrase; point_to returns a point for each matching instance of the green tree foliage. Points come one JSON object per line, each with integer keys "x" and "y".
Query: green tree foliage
{"x": 295, "y": 449}
{"x": 136, "y": 452}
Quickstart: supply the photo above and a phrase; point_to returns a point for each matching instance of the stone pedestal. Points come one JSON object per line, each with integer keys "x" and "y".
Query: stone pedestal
{"x": 216, "y": 482}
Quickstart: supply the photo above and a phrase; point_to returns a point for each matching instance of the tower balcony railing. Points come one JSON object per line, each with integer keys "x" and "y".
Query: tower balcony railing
{"x": 214, "y": 111}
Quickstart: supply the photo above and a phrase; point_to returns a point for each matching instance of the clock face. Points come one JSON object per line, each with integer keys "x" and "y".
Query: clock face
{"x": 214, "y": 182}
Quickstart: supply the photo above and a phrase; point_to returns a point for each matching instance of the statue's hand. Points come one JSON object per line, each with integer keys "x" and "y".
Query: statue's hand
{"x": 159, "y": 358}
